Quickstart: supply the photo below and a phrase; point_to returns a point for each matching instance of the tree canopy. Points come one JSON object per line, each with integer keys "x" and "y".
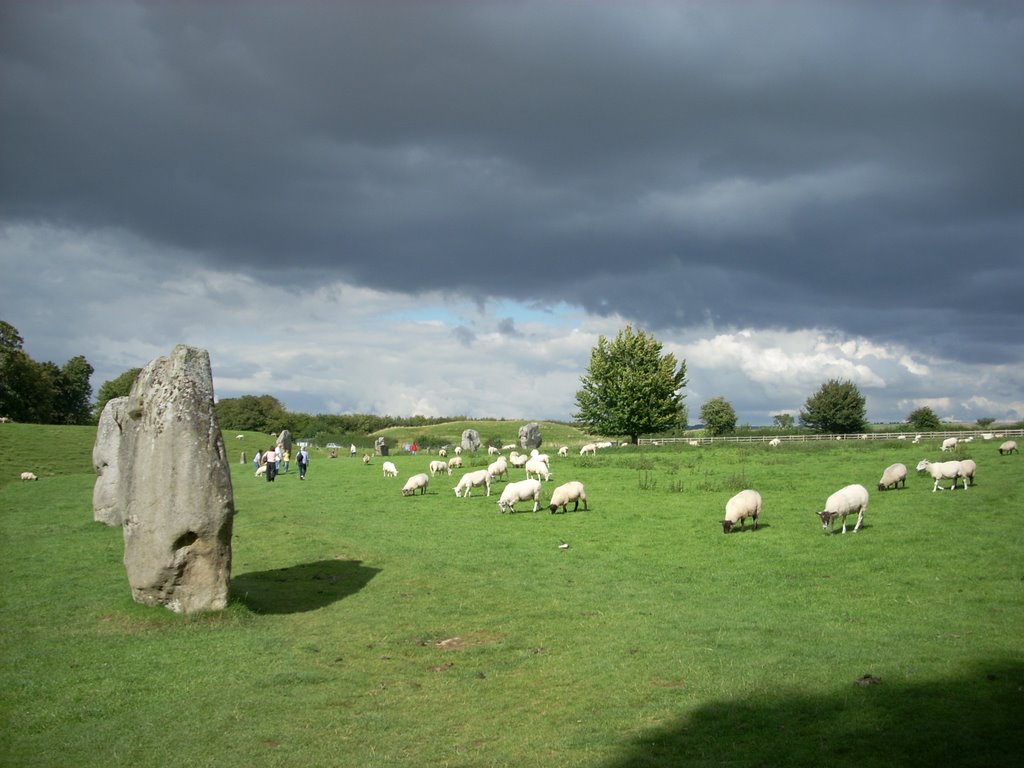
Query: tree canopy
{"x": 923, "y": 418}
{"x": 718, "y": 416}
{"x": 837, "y": 407}
{"x": 631, "y": 388}
{"x": 783, "y": 420}
{"x": 118, "y": 387}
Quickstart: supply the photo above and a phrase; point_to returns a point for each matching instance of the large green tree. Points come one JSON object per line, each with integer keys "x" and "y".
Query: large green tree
{"x": 783, "y": 420}
{"x": 923, "y": 419}
{"x": 718, "y": 416}
{"x": 73, "y": 392}
{"x": 837, "y": 407}
{"x": 249, "y": 412}
{"x": 41, "y": 393}
{"x": 631, "y": 388}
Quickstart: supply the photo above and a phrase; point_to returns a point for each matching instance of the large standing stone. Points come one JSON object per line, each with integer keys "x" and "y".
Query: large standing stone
{"x": 470, "y": 440}
{"x": 285, "y": 440}
{"x": 529, "y": 436}
{"x": 106, "y": 460}
{"x": 172, "y": 487}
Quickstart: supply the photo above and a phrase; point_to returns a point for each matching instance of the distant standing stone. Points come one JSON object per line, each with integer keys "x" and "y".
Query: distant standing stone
{"x": 285, "y": 440}
{"x": 529, "y": 436}
{"x": 470, "y": 440}
{"x": 171, "y": 485}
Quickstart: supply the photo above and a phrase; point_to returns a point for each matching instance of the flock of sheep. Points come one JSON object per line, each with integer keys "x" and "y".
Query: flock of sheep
{"x": 853, "y": 499}
{"x": 536, "y": 466}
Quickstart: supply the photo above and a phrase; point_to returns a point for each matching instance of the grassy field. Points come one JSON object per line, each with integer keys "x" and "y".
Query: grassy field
{"x": 368, "y": 629}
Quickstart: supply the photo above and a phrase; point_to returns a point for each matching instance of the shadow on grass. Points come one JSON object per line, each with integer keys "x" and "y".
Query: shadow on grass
{"x": 300, "y": 588}
{"x": 973, "y": 720}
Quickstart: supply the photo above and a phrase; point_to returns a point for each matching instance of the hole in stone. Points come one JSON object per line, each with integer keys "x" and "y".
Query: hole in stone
{"x": 187, "y": 538}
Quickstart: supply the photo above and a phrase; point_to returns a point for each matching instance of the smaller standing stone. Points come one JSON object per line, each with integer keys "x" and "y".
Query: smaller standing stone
{"x": 470, "y": 440}
{"x": 529, "y": 436}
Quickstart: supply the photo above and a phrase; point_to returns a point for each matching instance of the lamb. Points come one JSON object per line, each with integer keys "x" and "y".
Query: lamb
{"x": 390, "y": 470}
{"x": 741, "y": 506}
{"x": 893, "y": 475}
{"x": 28, "y": 476}
{"x": 845, "y": 501}
{"x": 942, "y": 471}
{"x": 508, "y": 447}
{"x": 458, "y": 450}
{"x": 949, "y": 444}
{"x": 472, "y": 479}
{"x": 414, "y": 483}
{"x": 498, "y": 468}
{"x": 774, "y": 442}
{"x": 538, "y": 468}
{"x": 442, "y": 453}
{"x": 1008, "y": 447}
{"x": 492, "y": 451}
{"x": 967, "y": 470}
{"x": 572, "y": 491}
{"x": 588, "y": 448}
{"x": 437, "y": 467}
{"x": 563, "y": 451}
{"x": 454, "y": 461}
{"x": 524, "y": 490}
{"x": 261, "y": 470}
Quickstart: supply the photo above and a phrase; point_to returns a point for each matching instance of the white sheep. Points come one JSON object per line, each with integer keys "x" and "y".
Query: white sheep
{"x": 416, "y": 482}
{"x": 563, "y": 494}
{"x": 987, "y": 435}
{"x": 508, "y": 447}
{"x": 261, "y": 470}
{"x": 366, "y": 458}
{"x": 893, "y": 475}
{"x": 498, "y": 468}
{"x": 693, "y": 443}
{"x": 741, "y": 506}
{"x": 774, "y": 442}
{"x": 442, "y": 453}
{"x": 453, "y": 462}
{"x": 916, "y": 440}
{"x": 471, "y": 480}
{"x": 458, "y": 450}
{"x": 949, "y": 444}
{"x": 28, "y": 476}
{"x": 604, "y": 444}
{"x": 390, "y": 470}
{"x": 845, "y": 501}
{"x": 539, "y": 468}
{"x": 524, "y": 490}
{"x": 517, "y": 460}
{"x": 967, "y": 470}
{"x": 563, "y": 451}
{"x": 588, "y": 448}
{"x": 946, "y": 470}
{"x": 1008, "y": 447}
{"x": 492, "y": 451}
{"x": 438, "y": 466}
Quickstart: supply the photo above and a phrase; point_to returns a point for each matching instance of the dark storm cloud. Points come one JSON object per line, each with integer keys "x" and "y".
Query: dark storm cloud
{"x": 851, "y": 165}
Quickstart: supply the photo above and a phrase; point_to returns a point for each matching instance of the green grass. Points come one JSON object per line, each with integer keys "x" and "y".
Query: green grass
{"x": 368, "y": 629}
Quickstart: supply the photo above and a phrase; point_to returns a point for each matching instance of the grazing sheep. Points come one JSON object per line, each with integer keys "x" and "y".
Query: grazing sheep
{"x": 1008, "y": 447}
{"x": 239, "y": 437}
{"x": 366, "y": 458}
{"x": 436, "y": 467}
{"x": 471, "y": 480}
{"x": 949, "y": 444}
{"x": 946, "y": 470}
{"x": 588, "y": 448}
{"x": 261, "y": 470}
{"x": 538, "y": 468}
{"x": 414, "y": 483}
{"x": 774, "y": 442}
{"x": 987, "y": 435}
{"x": 967, "y": 470}
{"x": 572, "y": 491}
{"x": 442, "y": 453}
{"x": 517, "y": 460}
{"x": 453, "y": 462}
{"x": 893, "y": 475}
{"x": 28, "y": 476}
{"x": 524, "y": 490}
{"x": 845, "y": 501}
{"x": 693, "y": 443}
{"x": 604, "y": 444}
{"x": 390, "y": 470}
{"x": 492, "y": 451}
{"x": 498, "y": 468}
{"x": 563, "y": 451}
{"x": 916, "y": 440}
{"x": 508, "y": 447}
{"x": 741, "y": 506}
{"x": 458, "y": 450}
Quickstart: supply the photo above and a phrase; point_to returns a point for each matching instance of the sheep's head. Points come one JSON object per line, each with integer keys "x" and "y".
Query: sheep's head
{"x": 922, "y": 465}
{"x": 827, "y": 518}
{"x": 726, "y": 526}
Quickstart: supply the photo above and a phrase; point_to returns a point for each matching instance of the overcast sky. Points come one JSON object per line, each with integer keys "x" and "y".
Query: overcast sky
{"x": 437, "y": 208}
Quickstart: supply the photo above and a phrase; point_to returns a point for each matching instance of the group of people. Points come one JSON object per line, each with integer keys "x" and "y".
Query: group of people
{"x": 273, "y": 459}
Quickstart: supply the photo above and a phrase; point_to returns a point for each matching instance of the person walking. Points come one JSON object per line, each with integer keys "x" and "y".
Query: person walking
{"x": 303, "y": 459}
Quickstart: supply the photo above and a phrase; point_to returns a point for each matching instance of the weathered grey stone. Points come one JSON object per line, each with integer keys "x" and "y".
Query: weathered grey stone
{"x": 529, "y": 436}
{"x": 470, "y": 440}
{"x": 285, "y": 440}
{"x": 173, "y": 486}
{"x": 106, "y": 460}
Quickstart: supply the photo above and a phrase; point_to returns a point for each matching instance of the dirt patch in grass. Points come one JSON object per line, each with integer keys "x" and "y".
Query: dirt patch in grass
{"x": 469, "y": 640}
